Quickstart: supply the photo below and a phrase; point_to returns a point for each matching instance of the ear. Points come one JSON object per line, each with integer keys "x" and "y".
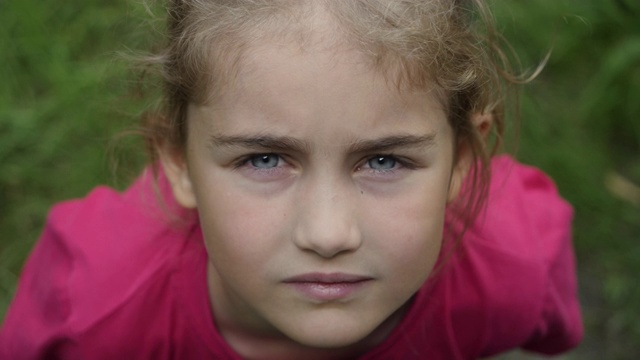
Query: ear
{"x": 177, "y": 172}
{"x": 482, "y": 123}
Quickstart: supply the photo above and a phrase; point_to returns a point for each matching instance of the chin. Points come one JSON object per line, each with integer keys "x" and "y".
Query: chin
{"x": 336, "y": 335}
{"x": 330, "y": 341}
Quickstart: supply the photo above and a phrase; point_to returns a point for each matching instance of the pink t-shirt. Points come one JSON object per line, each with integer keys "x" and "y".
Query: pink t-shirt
{"x": 113, "y": 278}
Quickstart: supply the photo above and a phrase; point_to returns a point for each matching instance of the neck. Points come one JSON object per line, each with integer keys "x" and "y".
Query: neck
{"x": 252, "y": 346}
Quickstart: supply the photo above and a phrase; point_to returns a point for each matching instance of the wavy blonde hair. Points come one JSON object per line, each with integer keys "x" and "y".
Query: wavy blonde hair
{"x": 418, "y": 43}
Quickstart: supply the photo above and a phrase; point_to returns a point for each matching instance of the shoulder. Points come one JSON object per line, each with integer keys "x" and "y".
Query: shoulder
{"x": 106, "y": 215}
{"x": 96, "y": 257}
{"x": 524, "y": 214}
{"x": 118, "y": 242}
{"x": 513, "y": 259}
{"x": 525, "y": 219}
{"x": 524, "y": 229}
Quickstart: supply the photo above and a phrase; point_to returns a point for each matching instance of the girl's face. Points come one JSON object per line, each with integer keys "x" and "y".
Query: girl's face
{"x": 321, "y": 191}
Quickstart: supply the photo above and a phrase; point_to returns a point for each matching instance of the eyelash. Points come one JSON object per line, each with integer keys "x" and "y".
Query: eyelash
{"x": 399, "y": 162}
{"x": 246, "y": 160}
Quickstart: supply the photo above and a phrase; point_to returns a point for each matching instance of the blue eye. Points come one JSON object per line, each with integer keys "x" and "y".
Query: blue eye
{"x": 265, "y": 161}
{"x": 382, "y": 163}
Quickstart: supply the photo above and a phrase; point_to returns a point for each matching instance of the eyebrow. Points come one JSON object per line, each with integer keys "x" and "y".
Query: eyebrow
{"x": 286, "y": 144}
{"x": 389, "y": 143}
{"x": 260, "y": 142}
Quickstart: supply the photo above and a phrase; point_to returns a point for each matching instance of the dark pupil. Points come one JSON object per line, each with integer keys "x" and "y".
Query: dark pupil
{"x": 265, "y": 161}
{"x": 382, "y": 162}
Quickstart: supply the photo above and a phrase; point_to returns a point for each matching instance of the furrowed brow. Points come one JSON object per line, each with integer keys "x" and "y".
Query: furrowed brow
{"x": 260, "y": 143}
{"x": 394, "y": 142}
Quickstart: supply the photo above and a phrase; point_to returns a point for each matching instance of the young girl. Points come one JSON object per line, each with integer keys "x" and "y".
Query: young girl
{"x": 327, "y": 162}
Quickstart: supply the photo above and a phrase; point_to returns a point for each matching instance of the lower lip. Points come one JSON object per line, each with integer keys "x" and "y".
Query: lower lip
{"x": 328, "y": 291}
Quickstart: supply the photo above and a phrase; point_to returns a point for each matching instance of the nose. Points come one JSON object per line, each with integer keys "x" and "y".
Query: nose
{"x": 327, "y": 220}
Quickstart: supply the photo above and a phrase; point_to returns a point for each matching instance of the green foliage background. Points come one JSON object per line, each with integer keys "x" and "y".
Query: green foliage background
{"x": 65, "y": 96}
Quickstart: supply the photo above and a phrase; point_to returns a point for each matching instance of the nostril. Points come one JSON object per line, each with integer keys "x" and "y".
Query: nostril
{"x": 328, "y": 238}
{"x": 325, "y": 217}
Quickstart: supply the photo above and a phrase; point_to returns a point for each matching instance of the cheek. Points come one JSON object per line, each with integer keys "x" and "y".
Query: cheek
{"x": 408, "y": 231}
{"x": 239, "y": 228}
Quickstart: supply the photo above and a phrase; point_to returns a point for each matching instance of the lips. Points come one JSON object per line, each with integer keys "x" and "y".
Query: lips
{"x": 325, "y": 287}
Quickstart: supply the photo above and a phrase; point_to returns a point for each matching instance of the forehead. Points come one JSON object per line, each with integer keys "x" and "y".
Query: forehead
{"x": 310, "y": 29}
{"x": 320, "y": 94}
